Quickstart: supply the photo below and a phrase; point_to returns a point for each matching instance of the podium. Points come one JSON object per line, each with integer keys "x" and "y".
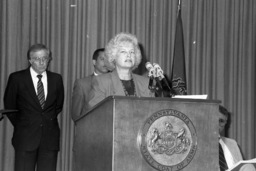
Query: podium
{"x": 6, "y": 111}
{"x": 148, "y": 134}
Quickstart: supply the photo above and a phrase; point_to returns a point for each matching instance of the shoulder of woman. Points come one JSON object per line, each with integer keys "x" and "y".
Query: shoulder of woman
{"x": 103, "y": 78}
{"x": 140, "y": 77}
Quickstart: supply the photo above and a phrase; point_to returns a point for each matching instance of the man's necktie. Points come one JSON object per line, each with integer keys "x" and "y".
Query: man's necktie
{"x": 222, "y": 160}
{"x": 40, "y": 91}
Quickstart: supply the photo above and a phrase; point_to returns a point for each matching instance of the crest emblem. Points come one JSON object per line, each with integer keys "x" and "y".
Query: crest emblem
{"x": 168, "y": 140}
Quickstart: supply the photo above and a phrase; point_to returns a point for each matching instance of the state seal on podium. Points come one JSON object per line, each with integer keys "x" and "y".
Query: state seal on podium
{"x": 168, "y": 140}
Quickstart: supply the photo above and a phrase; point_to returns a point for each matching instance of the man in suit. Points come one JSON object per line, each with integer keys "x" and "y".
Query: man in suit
{"x": 82, "y": 86}
{"x": 232, "y": 153}
{"x": 38, "y": 95}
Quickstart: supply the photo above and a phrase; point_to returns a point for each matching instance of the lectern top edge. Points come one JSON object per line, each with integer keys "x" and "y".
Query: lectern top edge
{"x": 150, "y": 99}
{"x": 163, "y": 99}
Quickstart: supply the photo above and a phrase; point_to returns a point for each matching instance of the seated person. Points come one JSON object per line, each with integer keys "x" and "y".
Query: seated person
{"x": 232, "y": 153}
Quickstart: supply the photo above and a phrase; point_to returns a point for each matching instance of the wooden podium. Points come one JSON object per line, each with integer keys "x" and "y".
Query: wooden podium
{"x": 147, "y": 134}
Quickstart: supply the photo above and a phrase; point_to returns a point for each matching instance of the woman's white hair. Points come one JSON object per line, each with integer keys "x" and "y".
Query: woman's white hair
{"x": 114, "y": 44}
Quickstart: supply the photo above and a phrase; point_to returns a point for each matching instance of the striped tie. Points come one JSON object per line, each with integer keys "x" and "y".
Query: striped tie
{"x": 40, "y": 91}
{"x": 222, "y": 160}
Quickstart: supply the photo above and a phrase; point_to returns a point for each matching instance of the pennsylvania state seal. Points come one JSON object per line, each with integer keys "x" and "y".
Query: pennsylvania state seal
{"x": 168, "y": 140}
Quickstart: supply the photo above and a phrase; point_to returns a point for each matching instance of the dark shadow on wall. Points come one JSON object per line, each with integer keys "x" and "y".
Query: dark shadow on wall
{"x": 141, "y": 70}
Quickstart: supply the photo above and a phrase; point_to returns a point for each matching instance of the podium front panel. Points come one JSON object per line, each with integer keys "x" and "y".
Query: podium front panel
{"x": 119, "y": 135}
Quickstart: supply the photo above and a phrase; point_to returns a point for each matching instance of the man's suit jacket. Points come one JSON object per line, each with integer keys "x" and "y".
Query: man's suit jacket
{"x": 236, "y": 153}
{"x": 109, "y": 84}
{"x": 233, "y": 148}
{"x": 32, "y": 124}
{"x": 80, "y": 96}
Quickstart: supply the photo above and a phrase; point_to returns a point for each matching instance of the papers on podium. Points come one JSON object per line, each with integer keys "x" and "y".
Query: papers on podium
{"x": 203, "y": 96}
{"x": 5, "y": 111}
{"x": 239, "y": 164}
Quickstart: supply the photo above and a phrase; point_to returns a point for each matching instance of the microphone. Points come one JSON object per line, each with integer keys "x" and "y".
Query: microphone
{"x": 159, "y": 72}
{"x": 157, "y": 75}
{"x": 160, "y": 75}
{"x": 151, "y": 75}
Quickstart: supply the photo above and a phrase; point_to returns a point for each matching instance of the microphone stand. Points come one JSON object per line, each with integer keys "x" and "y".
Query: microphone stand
{"x": 151, "y": 86}
{"x": 171, "y": 94}
{"x": 155, "y": 86}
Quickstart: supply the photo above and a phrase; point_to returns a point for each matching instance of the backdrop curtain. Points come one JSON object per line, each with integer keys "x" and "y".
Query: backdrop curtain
{"x": 219, "y": 41}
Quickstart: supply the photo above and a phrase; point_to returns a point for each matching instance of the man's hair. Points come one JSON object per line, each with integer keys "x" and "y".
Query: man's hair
{"x": 38, "y": 47}
{"x": 97, "y": 53}
{"x": 224, "y": 111}
{"x": 227, "y": 114}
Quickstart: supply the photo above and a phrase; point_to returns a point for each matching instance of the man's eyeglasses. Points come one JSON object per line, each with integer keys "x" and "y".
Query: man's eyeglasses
{"x": 43, "y": 59}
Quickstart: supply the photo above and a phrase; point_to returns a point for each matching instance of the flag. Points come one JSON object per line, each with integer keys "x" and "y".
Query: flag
{"x": 178, "y": 76}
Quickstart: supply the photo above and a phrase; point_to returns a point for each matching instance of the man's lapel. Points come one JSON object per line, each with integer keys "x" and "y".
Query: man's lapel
{"x": 50, "y": 81}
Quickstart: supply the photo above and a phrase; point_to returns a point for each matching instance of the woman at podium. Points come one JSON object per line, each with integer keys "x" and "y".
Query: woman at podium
{"x": 124, "y": 54}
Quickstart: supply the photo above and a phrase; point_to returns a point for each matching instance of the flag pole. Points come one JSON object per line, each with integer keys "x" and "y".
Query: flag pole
{"x": 179, "y": 7}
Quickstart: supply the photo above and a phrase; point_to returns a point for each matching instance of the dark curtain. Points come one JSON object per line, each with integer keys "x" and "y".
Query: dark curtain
{"x": 219, "y": 45}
